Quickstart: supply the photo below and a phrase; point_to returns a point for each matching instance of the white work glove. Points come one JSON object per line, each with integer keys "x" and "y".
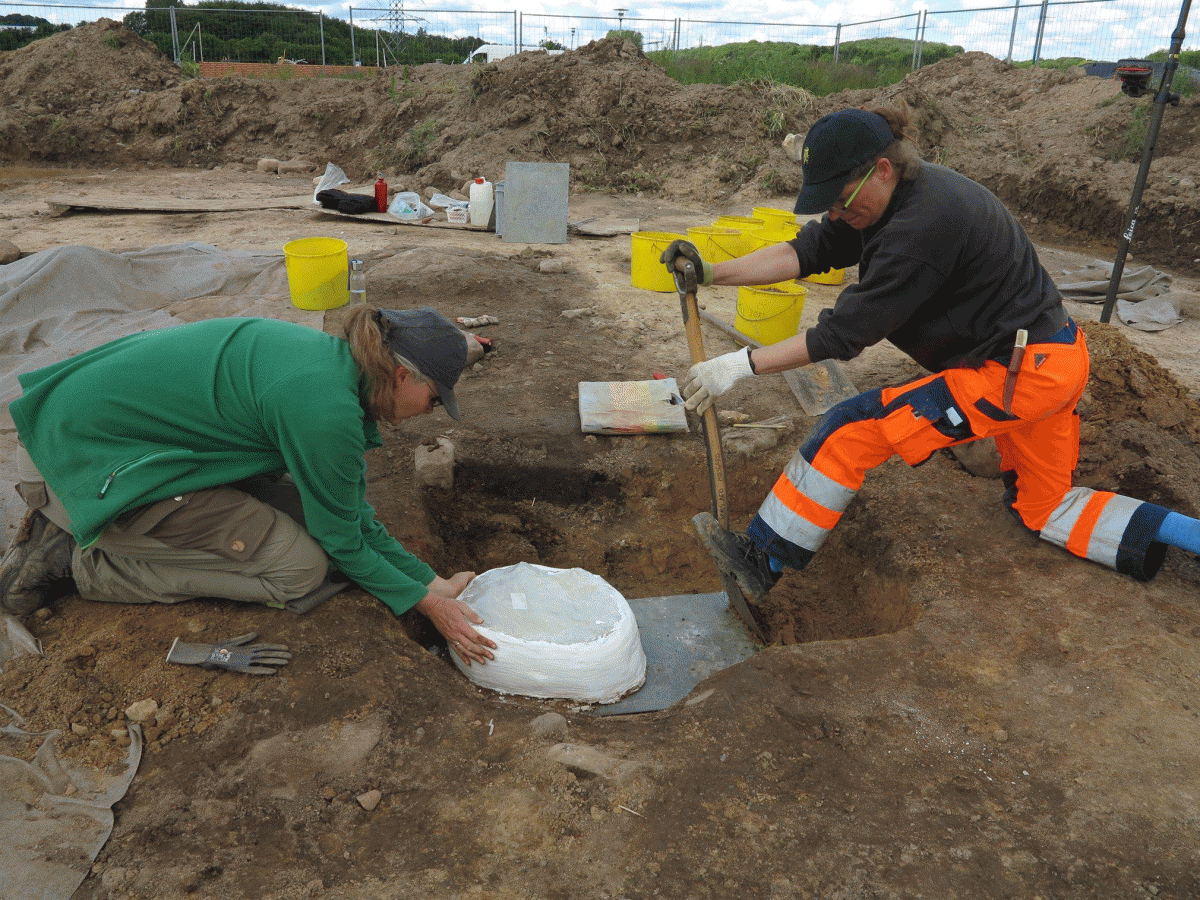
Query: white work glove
{"x": 708, "y": 380}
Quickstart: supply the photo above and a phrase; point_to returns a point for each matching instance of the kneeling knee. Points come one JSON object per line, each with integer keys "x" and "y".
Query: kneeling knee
{"x": 307, "y": 572}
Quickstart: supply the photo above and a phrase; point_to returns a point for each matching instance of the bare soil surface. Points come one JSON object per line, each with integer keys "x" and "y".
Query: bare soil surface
{"x": 947, "y": 708}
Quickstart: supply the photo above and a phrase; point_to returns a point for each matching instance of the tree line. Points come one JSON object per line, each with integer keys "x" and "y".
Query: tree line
{"x": 266, "y": 32}
{"x": 17, "y": 30}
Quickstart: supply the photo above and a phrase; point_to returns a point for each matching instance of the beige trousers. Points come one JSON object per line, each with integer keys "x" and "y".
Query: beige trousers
{"x": 235, "y": 542}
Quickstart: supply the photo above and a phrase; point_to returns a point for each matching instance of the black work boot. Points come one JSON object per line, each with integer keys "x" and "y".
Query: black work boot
{"x": 738, "y": 556}
{"x": 36, "y": 568}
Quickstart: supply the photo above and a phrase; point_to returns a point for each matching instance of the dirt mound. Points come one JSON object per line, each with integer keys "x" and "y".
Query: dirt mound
{"x": 58, "y": 92}
{"x": 1063, "y": 148}
{"x": 1140, "y": 430}
{"x": 623, "y": 123}
{"x": 93, "y": 64}
{"x": 1060, "y": 147}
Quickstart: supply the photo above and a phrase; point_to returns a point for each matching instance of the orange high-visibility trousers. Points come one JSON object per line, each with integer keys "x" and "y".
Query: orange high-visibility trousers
{"x": 1039, "y": 449}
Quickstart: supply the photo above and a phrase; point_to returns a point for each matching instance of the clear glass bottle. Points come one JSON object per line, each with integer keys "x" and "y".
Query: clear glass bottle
{"x": 358, "y": 282}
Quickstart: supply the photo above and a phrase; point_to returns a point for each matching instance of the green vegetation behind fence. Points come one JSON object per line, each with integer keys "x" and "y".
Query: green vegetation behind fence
{"x": 861, "y": 64}
{"x": 17, "y": 30}
{"x": 265, "y": 32}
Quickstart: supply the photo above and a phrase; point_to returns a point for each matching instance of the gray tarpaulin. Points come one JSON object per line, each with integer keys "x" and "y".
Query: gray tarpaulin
{"x": 54, "y": 817}
{"x": 1144, "y": 299}
{"x": 1090, "y": 284}
{"x": 60, "y": 302}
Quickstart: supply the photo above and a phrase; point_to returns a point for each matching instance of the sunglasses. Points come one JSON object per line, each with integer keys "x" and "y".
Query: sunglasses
{"x": 843, "y": 205}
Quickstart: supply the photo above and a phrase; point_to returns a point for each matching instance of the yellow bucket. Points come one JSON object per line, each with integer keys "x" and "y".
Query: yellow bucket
{"x": 833, "y": 276}
{"x": 743, "y": 243}
{"x": 318, "y": 272}
{"x": 743, "y": 222}
{"x": 715, "y": 244}
{"x": 646, "y": 270}
{"x": 765, "y": 237}
{"x": 775, "y": 234}
{"x": 773, "y": 217}
{"x": 771, "y": 313}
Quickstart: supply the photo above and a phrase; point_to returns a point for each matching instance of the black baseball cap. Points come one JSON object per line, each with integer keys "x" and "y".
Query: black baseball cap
{"x": 433, "y": 344}
{"x": 835, "y": 146}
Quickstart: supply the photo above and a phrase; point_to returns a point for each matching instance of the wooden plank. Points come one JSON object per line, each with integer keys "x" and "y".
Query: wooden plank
{"x": 60, "y": 205}
{"x": 384, "y": 218}
{"x": 593, "y": 228}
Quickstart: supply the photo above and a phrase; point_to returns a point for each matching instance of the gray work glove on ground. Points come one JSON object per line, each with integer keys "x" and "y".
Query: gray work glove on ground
{"x": 708, "y": 380}
{"x": 233, "y": 654}
{"x": 686, "y": 249}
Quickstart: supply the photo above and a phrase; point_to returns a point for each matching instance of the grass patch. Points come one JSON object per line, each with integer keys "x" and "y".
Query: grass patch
{"x": 413, "y": 151}
{"x": 861, "y": 64}
{"x": 1130, "y": 146}
{"x": 1063, "y": 62}
{"x": 777, "y": 183}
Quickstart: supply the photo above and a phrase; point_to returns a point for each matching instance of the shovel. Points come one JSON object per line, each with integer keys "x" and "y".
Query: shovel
{"x": 685, "y": 283}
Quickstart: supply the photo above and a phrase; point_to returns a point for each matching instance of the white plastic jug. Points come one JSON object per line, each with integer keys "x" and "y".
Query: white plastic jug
{"x": 481, "y": 202}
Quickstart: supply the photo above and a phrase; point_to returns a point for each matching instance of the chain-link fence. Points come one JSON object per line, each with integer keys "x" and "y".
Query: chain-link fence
{"x": 395, "y": 34}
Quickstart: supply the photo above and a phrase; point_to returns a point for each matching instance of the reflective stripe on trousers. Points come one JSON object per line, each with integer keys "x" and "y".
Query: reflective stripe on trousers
{"x": 1038, "y": 443}
{"x": 1109, "y": 529}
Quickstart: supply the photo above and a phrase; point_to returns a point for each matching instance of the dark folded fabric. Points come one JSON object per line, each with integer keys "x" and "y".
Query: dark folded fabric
{"x": 347, "y": 203}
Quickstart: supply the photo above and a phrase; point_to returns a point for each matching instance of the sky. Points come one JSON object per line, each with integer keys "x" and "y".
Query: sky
{"x": 1092, "y": 29}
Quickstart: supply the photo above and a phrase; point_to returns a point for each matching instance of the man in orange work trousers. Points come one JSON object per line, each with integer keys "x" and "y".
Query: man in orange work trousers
{"x": 949, "y": 277}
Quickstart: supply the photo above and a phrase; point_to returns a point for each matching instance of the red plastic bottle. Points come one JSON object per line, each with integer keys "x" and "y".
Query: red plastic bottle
{"x": 381, "y": 197}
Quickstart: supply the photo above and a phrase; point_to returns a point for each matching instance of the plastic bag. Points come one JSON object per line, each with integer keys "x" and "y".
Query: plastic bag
{"x": 408, "y": 205}
{"x": 332, "y": 178}
{"x": 631, "y": 407}
{"x": 15, "y": 641}
{"x": 441, "y": 201}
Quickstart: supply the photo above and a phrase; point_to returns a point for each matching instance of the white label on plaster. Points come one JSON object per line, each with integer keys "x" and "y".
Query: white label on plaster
{"x": 518, "y": 601}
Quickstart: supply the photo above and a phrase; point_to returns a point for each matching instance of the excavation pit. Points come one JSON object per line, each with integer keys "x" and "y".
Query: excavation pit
{"x": 632, "y": 527}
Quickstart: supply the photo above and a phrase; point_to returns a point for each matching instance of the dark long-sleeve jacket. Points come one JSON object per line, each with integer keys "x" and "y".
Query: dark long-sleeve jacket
{"x": 947, "y": 275}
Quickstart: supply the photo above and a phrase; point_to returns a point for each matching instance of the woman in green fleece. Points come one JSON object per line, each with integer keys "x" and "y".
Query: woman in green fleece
{"x": 154, "y": 466}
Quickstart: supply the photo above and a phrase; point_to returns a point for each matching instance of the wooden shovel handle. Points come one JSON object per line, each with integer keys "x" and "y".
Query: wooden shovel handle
{"x": 712, "y": 431}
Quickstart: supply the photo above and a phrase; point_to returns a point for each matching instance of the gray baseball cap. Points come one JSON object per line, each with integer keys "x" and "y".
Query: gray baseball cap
{"x": 433, "y": 344}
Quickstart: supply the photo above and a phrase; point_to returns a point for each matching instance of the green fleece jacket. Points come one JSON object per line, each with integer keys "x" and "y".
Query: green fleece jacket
{"x": 165, "y": 412}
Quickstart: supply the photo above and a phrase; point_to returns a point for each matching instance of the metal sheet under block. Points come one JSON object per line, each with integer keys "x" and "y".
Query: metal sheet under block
{"x": 686, "y": 639}
{"x": 534, "y": 210}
